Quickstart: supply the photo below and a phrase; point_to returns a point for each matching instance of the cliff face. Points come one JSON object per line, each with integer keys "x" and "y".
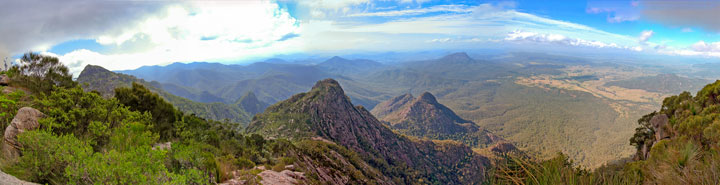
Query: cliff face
{"x": 326, "y": 112}
{"x": 426, "y": 117}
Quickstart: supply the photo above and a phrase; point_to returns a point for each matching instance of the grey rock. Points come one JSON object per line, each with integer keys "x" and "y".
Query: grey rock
{"x": 26, "y": 119}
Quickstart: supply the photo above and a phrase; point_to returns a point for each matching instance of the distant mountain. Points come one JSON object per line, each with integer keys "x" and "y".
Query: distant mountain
{"x": 342, "y": 66}
{"x": 96, "y": 78}
{"x": 251, "y": 104}
{"x": 325, "y": 112}
{"x": 425, "y": 117}
{"x": 662, "y": 83}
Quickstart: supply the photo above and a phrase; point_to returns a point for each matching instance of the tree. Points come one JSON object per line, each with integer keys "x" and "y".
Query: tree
{"x": 41, "y": 73}
{"x": 141, "y": 99}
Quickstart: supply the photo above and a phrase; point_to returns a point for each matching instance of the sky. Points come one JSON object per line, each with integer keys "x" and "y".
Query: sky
{"x": 122, "y": 35}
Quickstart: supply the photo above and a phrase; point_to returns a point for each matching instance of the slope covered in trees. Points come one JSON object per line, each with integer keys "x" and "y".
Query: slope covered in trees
{"x": 96, "y": 78}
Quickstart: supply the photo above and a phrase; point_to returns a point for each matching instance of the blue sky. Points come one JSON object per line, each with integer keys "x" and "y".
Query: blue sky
{"x": 129, "y": 34}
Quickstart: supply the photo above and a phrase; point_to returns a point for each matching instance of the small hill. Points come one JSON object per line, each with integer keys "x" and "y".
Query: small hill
{"x": 326, "y": 112}
{"x": 426, "y": 117}
{"x": 96, "y": 78}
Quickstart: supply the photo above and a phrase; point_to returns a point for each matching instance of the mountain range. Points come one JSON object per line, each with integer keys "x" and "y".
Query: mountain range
{"x": 543, "y": 104}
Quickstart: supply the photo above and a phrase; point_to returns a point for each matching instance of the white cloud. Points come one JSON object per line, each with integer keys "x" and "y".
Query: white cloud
{"x": 201, "y": 31}
{"x": 443, "y": 40}
{"x": 523, "y": 36}
{"x": 645, "y": 36}
{"x": 687, "y": 30}
{"x": 407, "y": 12}
{"x": 702, "y": 46}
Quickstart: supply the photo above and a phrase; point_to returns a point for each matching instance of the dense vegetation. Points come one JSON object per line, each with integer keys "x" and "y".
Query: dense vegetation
{"x": 689, "y": 154}
{"x": 87, "y": 139}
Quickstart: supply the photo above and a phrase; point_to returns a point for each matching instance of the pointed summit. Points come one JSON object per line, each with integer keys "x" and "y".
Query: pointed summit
{"x": 92, "y": 70}
{"x": 336, "y": 58}
{"x": 457, "y": 57}
{"x": 427, "y": 97}
{"x": 250, "y": 103}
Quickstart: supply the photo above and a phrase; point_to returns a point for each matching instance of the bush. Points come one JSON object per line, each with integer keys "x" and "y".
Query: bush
{"x": 45, "y": 156}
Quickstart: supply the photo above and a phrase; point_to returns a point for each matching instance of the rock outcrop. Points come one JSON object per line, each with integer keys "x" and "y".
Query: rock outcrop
{"x": 7, "y": 179}
{"x": 4, "y": 80}
{"x": 503, "y": 148}
{"x": 660, "y": 126}
{"x": 326, "y": 112}
{"x": 26, "y": 119}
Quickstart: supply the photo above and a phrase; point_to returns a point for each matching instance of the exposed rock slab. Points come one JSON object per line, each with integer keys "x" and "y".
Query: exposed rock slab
{"x": 25, "y": 120}
{"x": 6, "y": 179}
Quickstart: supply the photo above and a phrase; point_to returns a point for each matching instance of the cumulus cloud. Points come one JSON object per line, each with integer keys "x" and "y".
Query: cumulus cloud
{"x": 37, "y": 25}
{"x": 645, "y": 36}
{"x": 692, "y": 13}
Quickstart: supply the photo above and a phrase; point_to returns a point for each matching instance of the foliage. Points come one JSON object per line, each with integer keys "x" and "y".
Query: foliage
{"x": 87, "y": 139}
{"x": 85, "y": 115}
{"x": 46, "y": 156}
{"x": 41, "y": 73}
{"x": 516, "y": 169}
{"x": 9, "y": 104}
{"x": 139, "y": 98}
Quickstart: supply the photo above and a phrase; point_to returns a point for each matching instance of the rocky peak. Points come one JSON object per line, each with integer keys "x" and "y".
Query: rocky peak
{"x": 329, "y": 87}
{"x": 92, "y": 69}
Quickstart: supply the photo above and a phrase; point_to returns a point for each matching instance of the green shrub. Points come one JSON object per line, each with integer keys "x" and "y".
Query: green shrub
{"x": 45, "y": 156}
